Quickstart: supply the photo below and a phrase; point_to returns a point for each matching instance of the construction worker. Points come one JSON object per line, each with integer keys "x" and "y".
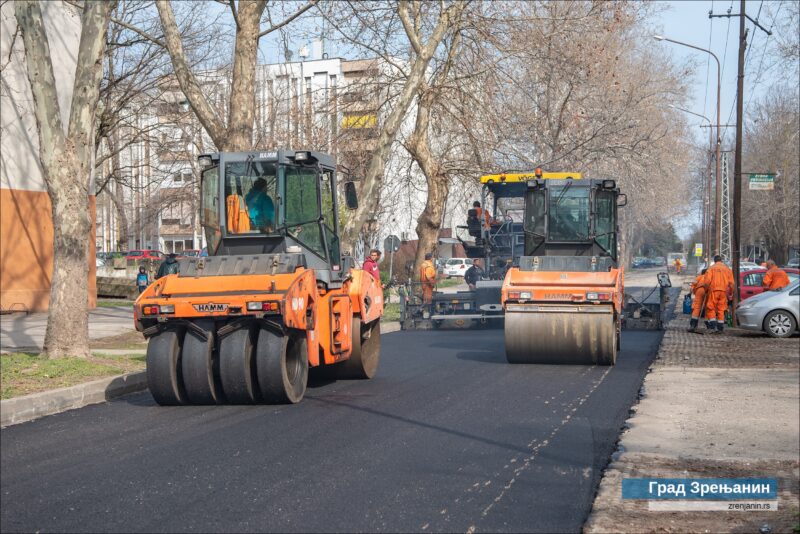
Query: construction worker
{"x": 483, "y": 215}
{"x": 719, "y": 278}
{"x": 699, "y": 289}
{"x": 371, "y": 264}
{"x": 678, "y": 265}
{"x": 775, "y": 278}
{"x": 427, "y": 276}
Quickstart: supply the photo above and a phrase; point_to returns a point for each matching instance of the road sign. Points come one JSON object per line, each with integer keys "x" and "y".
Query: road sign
{"x": 391, "y": 244}
{"x": 698, "y": 250}
{"x": 762, "y": 182}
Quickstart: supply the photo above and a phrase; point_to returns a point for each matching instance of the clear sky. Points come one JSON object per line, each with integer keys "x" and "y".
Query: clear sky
{"x": 688, "y": 21}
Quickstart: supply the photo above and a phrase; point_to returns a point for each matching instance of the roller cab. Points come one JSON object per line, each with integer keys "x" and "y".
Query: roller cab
{"x": 563, "y": 301}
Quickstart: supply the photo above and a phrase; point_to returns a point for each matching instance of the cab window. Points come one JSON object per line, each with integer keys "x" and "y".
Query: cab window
{"x": 302, "y": 208}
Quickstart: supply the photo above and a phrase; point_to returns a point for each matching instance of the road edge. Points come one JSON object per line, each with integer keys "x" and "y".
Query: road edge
{"x": 29, "y": 407}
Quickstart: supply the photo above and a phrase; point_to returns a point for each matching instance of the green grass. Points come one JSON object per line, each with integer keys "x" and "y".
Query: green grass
{"x": 113, "y": 303}
{"x": 22, "y": 373}
{"x": 449, "y": 282}
{"x": 391, "y": 312}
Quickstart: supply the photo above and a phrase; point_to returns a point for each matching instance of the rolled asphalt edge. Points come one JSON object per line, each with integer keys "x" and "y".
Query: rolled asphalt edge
{"x": 29, "y": 407}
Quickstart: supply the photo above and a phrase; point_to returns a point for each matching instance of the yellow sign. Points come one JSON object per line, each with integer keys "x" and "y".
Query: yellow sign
{"x": 524, "y": 177}
{"x": 698, "y": 250}
{"x": 359, "y": 121}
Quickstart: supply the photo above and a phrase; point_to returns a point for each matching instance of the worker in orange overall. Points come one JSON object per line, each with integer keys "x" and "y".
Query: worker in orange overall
{"x": 699, "y": 290}
{"x": 775, "y": 278}
{"x": 427, "y": 276}
{"x": 678, "y": 265}
{"x": 719, "y": 278}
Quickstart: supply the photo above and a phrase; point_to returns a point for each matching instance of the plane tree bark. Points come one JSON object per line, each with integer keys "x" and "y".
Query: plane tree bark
{"x": 66, "y": 162}
{"x": 423, "y": 51}
{"x": 237, "y": 133}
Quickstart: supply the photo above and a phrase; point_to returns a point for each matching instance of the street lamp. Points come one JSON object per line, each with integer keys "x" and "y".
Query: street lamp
{"x": 707, "y": 192}
{"x": 718, "y": 208}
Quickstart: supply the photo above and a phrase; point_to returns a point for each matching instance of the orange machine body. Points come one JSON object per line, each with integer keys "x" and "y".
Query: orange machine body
{"x": 291, "y": 300}
{"x": 553, "y": 287}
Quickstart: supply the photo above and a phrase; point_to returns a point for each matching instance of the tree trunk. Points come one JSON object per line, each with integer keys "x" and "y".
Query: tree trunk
{"x": 429, "y": 223}
{"x": 68, "y": 321}
{"x": 241, "y": 113}
{"x": 371, "y": 185}
{"x": 66, "y": 164}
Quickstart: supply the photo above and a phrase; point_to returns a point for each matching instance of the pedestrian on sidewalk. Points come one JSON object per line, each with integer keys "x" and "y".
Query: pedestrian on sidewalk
{"x": 474, "y": 274}
{"x": 142, "y": 280}
{"x": 699, "y": 290}
{"x": 775, "y": 278}
{"x": 719, "y": 278}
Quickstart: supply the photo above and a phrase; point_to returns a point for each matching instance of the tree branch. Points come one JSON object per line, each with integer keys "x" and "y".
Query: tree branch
{"x": 299, "y": 12}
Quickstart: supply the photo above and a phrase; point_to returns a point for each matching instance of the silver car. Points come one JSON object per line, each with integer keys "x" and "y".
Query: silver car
{"x": 775, "y": 312}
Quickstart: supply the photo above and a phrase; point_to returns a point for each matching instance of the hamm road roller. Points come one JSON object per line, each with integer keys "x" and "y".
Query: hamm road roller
{"x": 563, "y": 303}
{"x": 275, "y": 295}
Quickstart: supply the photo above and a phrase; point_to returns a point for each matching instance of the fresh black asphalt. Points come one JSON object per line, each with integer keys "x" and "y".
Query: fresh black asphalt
{"x": 447, "y": 437}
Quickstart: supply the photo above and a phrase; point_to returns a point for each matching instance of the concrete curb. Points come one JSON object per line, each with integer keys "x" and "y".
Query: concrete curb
{"x": 35, "y": 405}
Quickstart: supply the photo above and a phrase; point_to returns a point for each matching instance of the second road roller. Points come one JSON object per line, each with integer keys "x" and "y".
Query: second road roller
{"x": 563, "y": 302}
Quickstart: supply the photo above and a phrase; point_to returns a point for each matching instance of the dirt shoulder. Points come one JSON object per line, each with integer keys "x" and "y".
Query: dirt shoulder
{"x": 712, "y": 407}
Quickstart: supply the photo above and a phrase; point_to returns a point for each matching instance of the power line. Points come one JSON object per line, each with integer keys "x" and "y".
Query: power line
{"x": 727, "y": 35}
{"x": 761, "y": 62}
{"x": 708, "y": 58}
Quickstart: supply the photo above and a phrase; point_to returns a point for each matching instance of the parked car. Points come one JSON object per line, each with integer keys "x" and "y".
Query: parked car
{"x": 191, "y": 253}
{"x": 456, "y": 266}
{"x": 144, "y": 255}
{"x": 748, "y": 266}
{"x": 750, "y": 281}
{"x": 794, "y": 263}
{"x": 776, "y": 313}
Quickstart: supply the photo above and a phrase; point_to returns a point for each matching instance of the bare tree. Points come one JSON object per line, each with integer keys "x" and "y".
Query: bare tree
{"x": 424, "y": 41}
{"x": 237, "y": 132}
{"x": 66, "y": 161}
{"x": 771, "y": 146}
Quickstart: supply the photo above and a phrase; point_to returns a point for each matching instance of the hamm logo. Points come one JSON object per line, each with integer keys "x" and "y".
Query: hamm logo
{"x": 210, "y": 307}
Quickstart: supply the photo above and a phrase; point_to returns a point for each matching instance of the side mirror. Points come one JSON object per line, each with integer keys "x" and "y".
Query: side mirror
{"x": 622, "y": 200}
{"x": 350, "y": 196}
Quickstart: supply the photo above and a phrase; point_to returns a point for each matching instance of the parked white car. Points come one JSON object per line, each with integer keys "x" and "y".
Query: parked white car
{"x": 456, "y": 266}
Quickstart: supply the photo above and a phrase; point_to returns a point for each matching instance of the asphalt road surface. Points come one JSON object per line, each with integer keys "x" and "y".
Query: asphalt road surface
{"x": 447, "y": 437}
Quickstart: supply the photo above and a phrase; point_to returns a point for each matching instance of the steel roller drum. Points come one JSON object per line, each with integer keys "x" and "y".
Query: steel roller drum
{"x": 560, "y": 334}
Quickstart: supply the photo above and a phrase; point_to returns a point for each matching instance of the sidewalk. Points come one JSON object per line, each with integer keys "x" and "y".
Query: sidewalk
{"x": 713, "y": 407}
{"x": 21, "y": 332}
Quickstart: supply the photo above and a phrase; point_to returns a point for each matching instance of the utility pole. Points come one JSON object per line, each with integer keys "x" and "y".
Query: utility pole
{"x": 737, "y": 164}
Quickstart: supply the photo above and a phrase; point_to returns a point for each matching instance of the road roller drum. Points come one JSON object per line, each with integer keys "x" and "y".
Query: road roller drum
{"x": 560, "y": 334}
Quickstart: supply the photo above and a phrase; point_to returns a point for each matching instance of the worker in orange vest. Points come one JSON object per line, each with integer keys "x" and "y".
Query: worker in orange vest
{"x": 483, "y": 215}
{"x": 678, "y": 265}
{"x": 699, "y": 289}
{"x": 427, "y": 276}
{"x": 775, "y": 278}
{"x": 719, "y": 278}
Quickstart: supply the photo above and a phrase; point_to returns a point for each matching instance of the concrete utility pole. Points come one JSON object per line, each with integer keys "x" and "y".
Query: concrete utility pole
{"x": 737, "y": 164}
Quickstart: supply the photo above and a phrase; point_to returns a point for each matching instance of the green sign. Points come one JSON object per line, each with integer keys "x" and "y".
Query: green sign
{"x": 762, "y": 182}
